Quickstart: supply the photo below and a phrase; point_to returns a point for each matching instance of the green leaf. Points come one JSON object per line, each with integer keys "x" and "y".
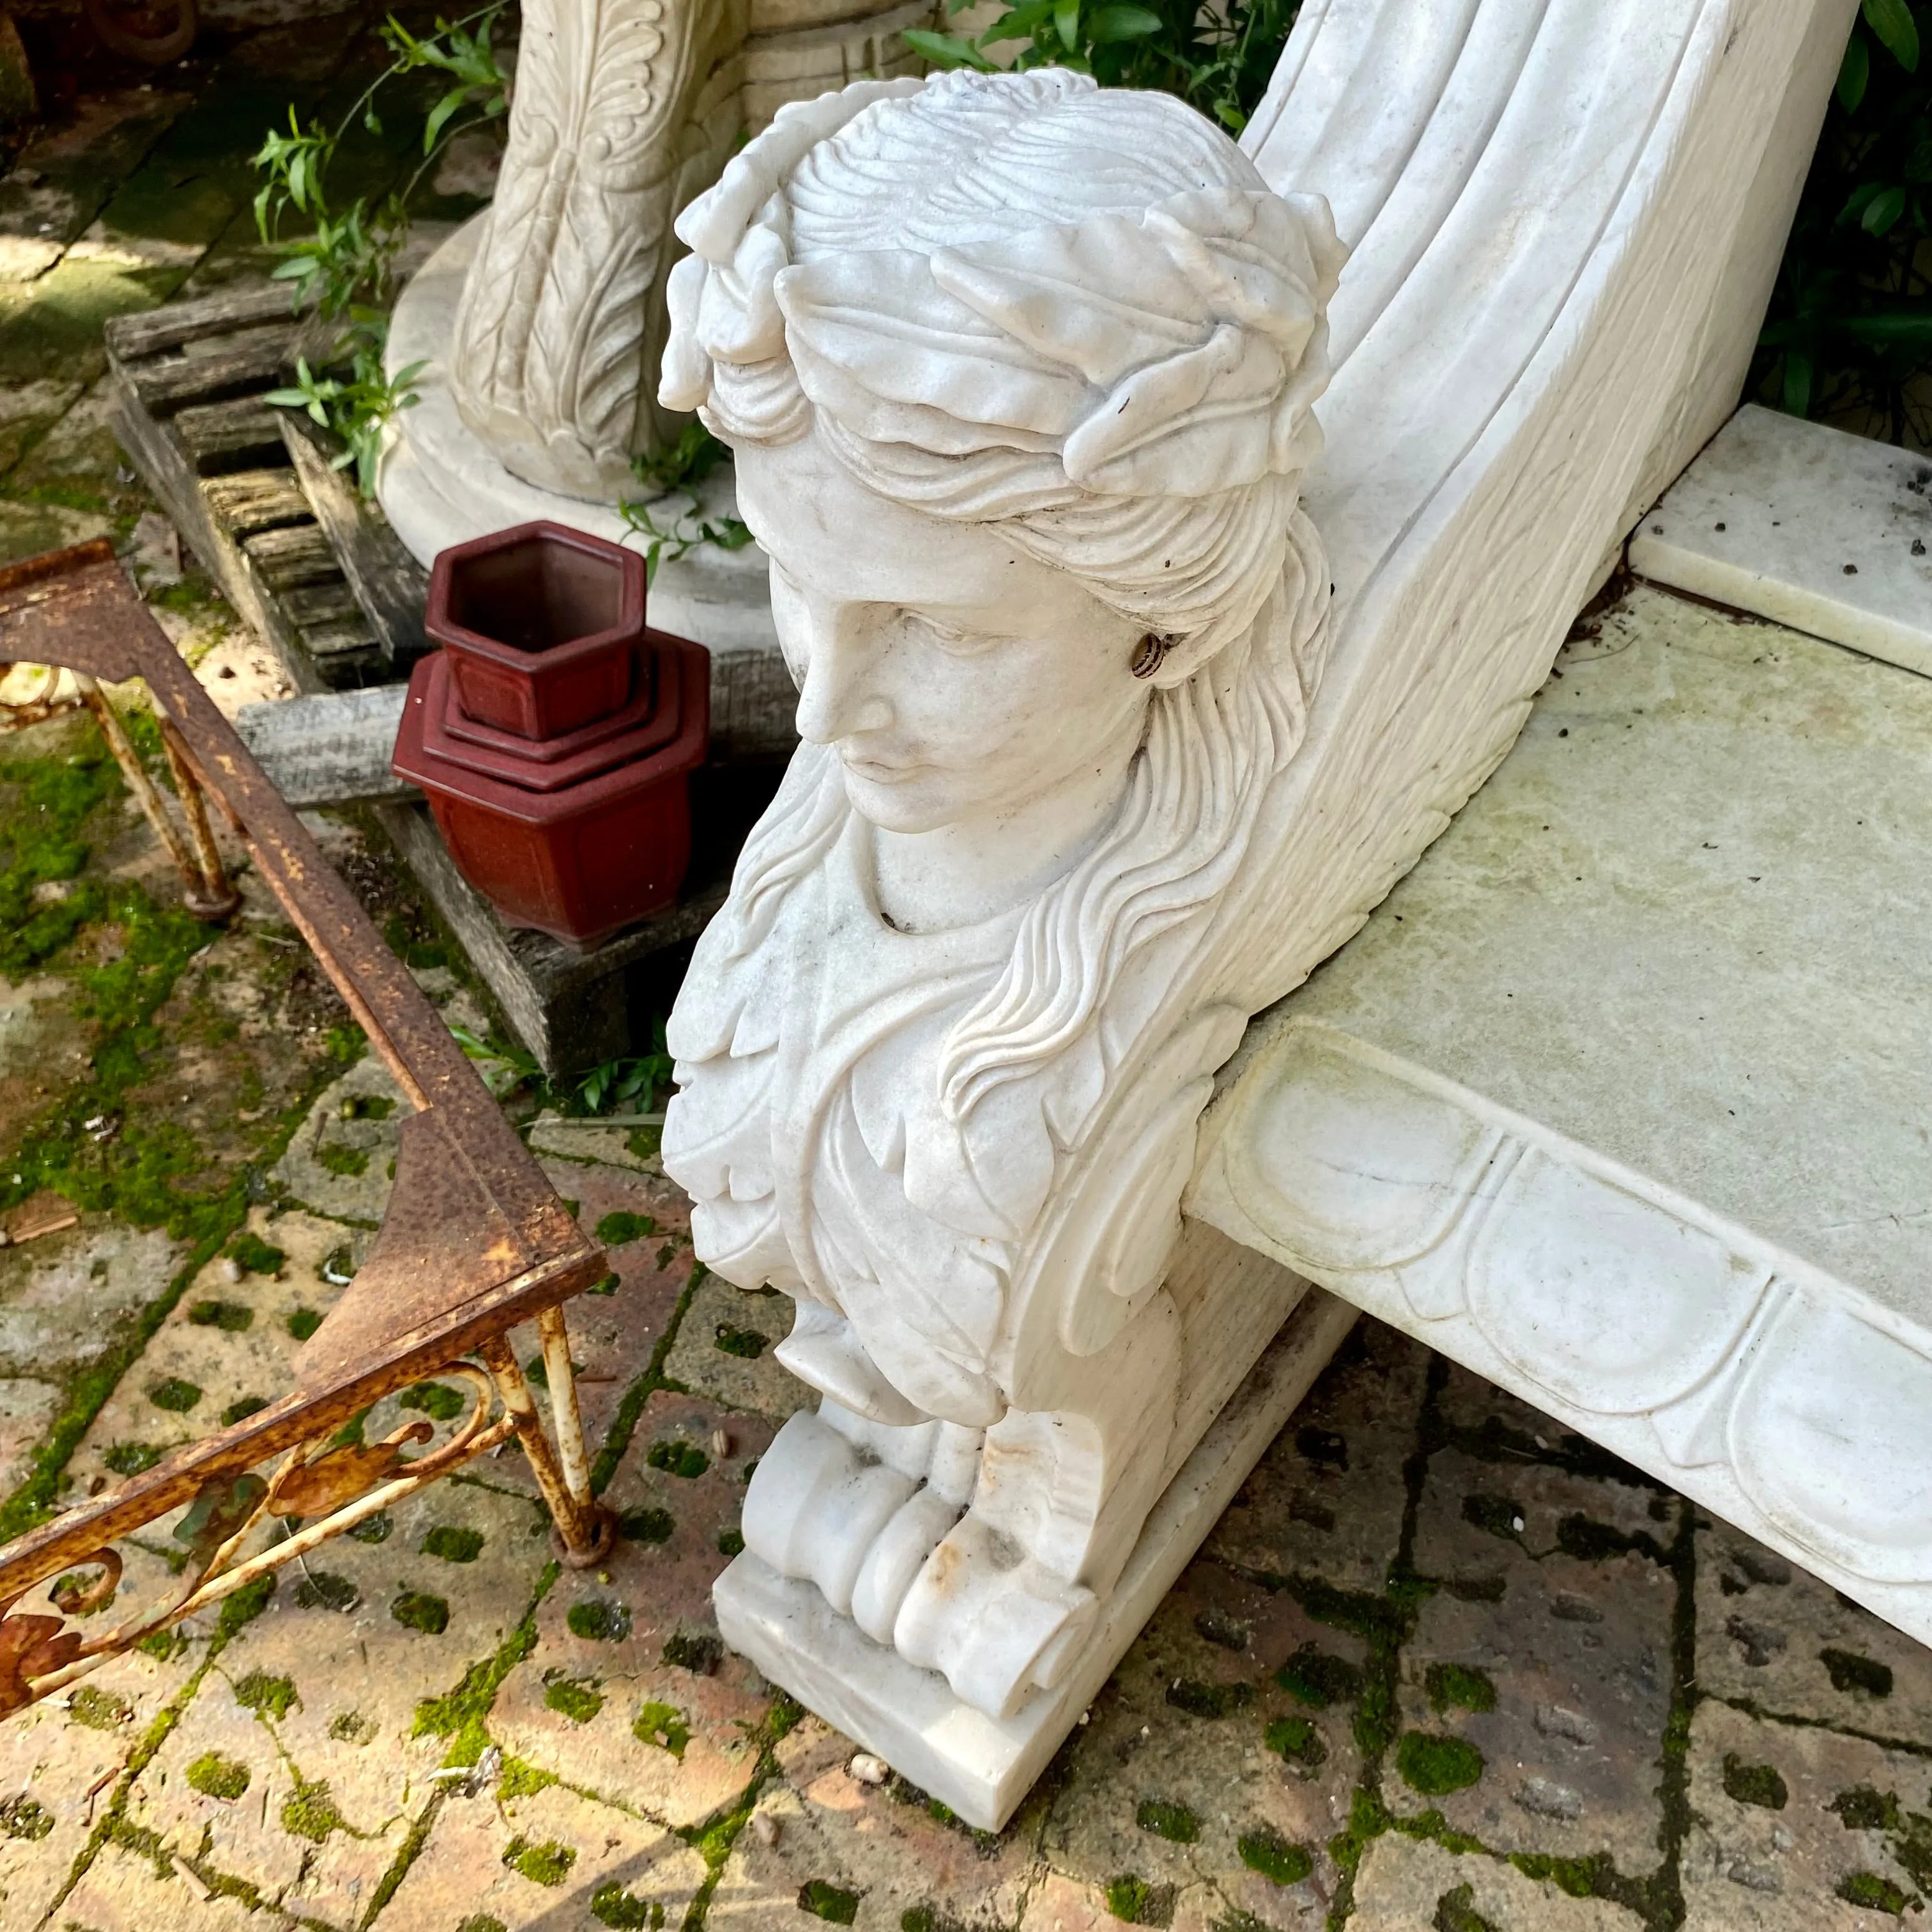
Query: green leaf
{"x": 1110, "y": 24}
{"x": 438, "y": 115}
{"x": 1067, "y": 23}
{"x": 1798, "y": 385}
{"x": 1900, "y": 328}
{"x": 1883, "y": 211}
{"x": 1891, "y": 21}
{"x": 945, "y": 50}
{"x": 1854, "y": 72}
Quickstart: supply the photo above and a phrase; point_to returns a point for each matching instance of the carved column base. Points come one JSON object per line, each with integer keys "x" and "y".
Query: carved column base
{"x": 981, "y": 1766}
{"x": 440, "y": 486}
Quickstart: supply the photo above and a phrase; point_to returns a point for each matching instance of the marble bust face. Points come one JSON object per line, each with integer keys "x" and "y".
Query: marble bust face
{"x": 1017, "y": 377}
{"x": 983, "y": 707}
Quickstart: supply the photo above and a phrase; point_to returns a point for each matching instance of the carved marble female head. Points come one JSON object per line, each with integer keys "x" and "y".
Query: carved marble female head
{"x": 1019, "y": 375}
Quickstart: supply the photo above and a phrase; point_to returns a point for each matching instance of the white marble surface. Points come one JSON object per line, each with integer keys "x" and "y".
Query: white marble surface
{"x": 440, "y": 486}
{"x": 1619, "y": 1098}
{"x": 1828, "y": 533}
{"x": 1107, "y": 747}
{"x": 983, "y": 1766}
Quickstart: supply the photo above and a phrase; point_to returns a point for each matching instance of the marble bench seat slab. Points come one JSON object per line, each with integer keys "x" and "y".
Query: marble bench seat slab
{"x": 1620, "y": 1098}
{"x": 1806, "y": 525}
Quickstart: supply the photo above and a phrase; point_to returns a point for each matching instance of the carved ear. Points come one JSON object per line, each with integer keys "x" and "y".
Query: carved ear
{"x": 1182, "y": 658}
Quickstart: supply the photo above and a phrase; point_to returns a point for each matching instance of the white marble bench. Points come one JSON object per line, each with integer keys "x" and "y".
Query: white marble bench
{"x": 1620, "y": 1098}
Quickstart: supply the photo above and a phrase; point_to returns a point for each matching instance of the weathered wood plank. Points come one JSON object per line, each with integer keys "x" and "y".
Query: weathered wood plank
{"x": 320, "y": 604}
{"x": 389, "y": 583}
{"x": 131, "y": 338}
{"x": 330, "y": 750}
{"x": 292, "y": 556}
{"x": 245, "y": 434}
{"x": 257, "y": 499}
{"x": 347, "y": 651}
{"x": 167, "y": 383}
{"x": 754, "y": 707}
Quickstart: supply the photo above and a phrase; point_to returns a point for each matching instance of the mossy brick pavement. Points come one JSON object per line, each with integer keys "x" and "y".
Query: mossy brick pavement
{"x": 1441, "y": 1667}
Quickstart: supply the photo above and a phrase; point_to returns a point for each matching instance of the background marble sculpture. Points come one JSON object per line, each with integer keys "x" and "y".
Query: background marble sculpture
{"x": 1053, "y": 353}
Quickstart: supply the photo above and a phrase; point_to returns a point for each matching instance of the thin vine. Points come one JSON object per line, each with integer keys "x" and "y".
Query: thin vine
{"x": 344, "y": 265}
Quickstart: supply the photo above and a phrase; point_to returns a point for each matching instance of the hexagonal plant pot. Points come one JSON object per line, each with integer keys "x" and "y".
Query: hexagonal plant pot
{"x": 543, "y": 625}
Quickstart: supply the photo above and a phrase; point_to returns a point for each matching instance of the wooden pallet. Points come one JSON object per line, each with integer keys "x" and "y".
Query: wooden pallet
{"x": 188, "y": 381}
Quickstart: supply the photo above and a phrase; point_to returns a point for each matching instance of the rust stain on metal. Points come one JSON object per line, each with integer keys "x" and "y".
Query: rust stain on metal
{"x": 476, "y": 1239}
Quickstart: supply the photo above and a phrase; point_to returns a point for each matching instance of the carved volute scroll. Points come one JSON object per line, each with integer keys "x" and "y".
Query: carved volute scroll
{"x": 622, "y": 110}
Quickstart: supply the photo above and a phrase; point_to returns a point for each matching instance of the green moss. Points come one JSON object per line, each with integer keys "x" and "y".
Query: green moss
{"x": 547, "y": 1865}
{"x": 1456, "y": 1912}
{"x": 163, "y": 1645}
{"x": 25, "y": 1817}
{"x": 99, "y": 1710}
{"x": 130, "y": 1458}
{"x": 730, "y": 1543}
{"x": 452, "y": 1544}
{"x": 1863, "y": 1809}
{"x": 418, "y": 1610}
{"x": 303, "y": 1323}
{"x": 599, "y": 1620}
{"x": 240, "y": 1609}
{"x": 1497, "y": 1516}
{"x": 609, "y": 1284}
{"x": 747, "y": 1344}
{"x": 345, "y": 1163}
{"x": 309, "y": 1812}
{"x": 611, "y": 1905}
{"x": 1433, "y": 1764}
{"x": 240, "y": 1410}
{"x": 1874, "y": 1893}
{"x": 1175, "y": 1822}
{"x": 646, "y": 1525}
{"x": 1849, "y": 1671}
{"x": 174, "y": 1394}
{"x": 1592, "y": 1877}
{"x": 1297, "y": 1740}
{"x": 1313, "y": 1677}
{"x": 521, "y": 1779}
{"x": 230, "y": 1317}
{"x": 1209, "y": 1700}
{"x": 1135, "y": 1902}
{"x": 1590, "y": 1541}
{"x": 214, "y": 1776}
{"x": 436, "y": 1400}
{"x": 351, "y": 1727}
{"x": 578, "y": 1698}
{"x": 677, "y": 1458}
{"x": 696, "y": 1650}
{"x": 460, "y": 1713}
{"x": 324, "y": 1590}
{"x": 614, "y": 1230}
{"x": 254, "y": 1256}
{"x": 1458, "y": 1687}
{"x": 1754, "y": 1783}
{"x": 376, "y": 1528}
{"x": 1274, "y": 1857}
{"x": 268, "y": 1696}
{"x": 663, "y": 1725}
{"x": 482, "y": 1922}
{"x": 823, "y": 1900}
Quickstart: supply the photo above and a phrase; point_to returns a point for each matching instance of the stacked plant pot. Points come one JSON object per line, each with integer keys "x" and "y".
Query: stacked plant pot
{"x": 554, "y": 733}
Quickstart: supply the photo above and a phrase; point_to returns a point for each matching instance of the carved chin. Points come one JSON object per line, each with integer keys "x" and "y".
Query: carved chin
{"x": 919, "y": 800}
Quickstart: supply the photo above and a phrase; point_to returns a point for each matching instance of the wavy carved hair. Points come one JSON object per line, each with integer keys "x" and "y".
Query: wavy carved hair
{"x": 779, "y": 331}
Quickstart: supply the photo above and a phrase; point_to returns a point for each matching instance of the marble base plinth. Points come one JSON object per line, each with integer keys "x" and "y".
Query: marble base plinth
{"x": 440, "y": 486}
{"x": 981, "y": 1766}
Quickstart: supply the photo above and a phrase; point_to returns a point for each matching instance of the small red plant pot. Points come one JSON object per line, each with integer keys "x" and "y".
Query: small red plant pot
{"x": 577, "y": 852}
{"x": 543, "y": 625}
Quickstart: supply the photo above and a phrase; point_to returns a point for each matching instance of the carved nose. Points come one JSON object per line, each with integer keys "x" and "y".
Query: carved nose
{"x": 834, "y": 704}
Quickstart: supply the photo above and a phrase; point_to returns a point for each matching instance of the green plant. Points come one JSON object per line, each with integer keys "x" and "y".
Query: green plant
{"x": 1849, "y": 331}
{"x": 1218, "y": 59}
{"x": 685, "y": 530}
{"x": 344, "y": 264}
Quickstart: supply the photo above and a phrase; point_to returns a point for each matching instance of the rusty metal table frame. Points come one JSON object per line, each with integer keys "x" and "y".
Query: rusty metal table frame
{"x": 475, "y": 1241}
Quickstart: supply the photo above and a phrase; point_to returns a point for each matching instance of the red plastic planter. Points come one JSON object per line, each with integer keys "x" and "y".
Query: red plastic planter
{"x": 542, "y": 625}
{"x": 587, "y": 827}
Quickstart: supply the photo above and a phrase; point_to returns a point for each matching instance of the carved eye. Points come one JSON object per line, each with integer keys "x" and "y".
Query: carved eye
{"x": 949, "y": 637}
